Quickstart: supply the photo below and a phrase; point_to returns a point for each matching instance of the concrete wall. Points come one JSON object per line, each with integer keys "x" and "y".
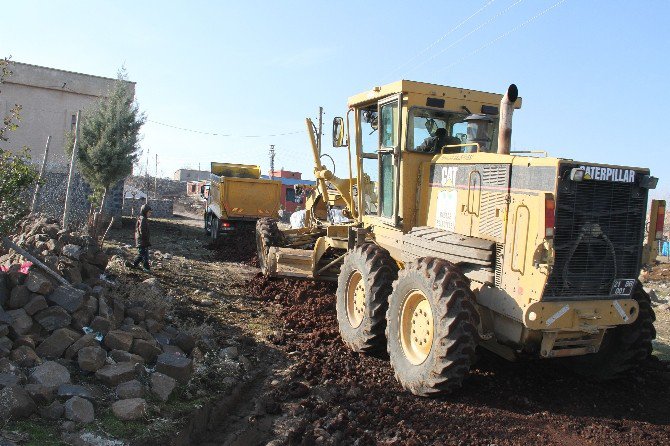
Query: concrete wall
{"x": 49, "y": 99}
{"x": 160, "y": 208}
{"x": 190, "y": 175}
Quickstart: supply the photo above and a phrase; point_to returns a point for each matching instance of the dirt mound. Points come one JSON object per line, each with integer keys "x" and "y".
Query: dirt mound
{"x": 342, "y": 396}
{"x": 236, "y": 246}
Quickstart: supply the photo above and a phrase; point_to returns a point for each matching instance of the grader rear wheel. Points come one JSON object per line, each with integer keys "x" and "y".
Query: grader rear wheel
{"x": 267, "y": 235}
{"x": 431, "y": 327}
{"x": 363, "y": 288}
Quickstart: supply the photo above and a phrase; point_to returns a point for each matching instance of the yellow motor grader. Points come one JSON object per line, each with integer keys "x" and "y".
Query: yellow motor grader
{"x": 445, "y": 240}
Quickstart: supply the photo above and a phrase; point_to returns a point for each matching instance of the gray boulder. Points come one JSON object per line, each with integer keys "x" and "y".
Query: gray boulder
{"x": 178, "y": 367}
{"x": 79, "y": 410}
{"x": 130, "y": 389}
{"x": 8, "y": 379}
{"x": 24, "y": 356}
{"x": 70, "y": 390}
{"x": 88, "y": 340}
{"x": 146, "y": 349}
{"x": 71, "y": 299}
{"x": 19, "y": 297}
{"x": 113, "y": 374}
{"x": 53, "y": 411}
{"x": 121, "y": 356}
{"x": 55, "y": 345}
{"x": 21, "y": 323}
{"x": 53, "y": 318}
{"x": 118, "y": 340}
{"x": 162, "y": 385}
{"x": 36, "y": 303}
{"x": 37, "y": 282}
{"x": 91, "y": 359}
{"x": 50, "y": 374}
{"x": 15, "y": 403}
{"x": 129, "y": 409}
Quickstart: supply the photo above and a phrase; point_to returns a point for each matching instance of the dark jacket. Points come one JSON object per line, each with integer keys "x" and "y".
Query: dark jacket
{"x": 142, "y": 228}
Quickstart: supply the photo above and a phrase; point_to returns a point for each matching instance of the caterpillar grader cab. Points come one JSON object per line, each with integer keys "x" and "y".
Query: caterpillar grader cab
{"x": 453, "y": 241}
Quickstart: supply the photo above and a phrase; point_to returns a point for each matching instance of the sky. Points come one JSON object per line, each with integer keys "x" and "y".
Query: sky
{"x": 592, "y": 73}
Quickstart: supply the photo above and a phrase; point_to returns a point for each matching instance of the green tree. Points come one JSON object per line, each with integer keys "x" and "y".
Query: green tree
{"x": 17, "y": 174}
{"x": 109, "y": 139}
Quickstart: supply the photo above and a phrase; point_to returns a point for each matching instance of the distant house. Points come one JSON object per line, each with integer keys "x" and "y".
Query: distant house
{"x": 191, "y": 175}
{"x": 292, "y": 194}
{"x": 49, "y": 100}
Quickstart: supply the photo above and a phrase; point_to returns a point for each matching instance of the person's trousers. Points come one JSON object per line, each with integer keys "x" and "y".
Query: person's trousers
{"x": 142, "y": 256}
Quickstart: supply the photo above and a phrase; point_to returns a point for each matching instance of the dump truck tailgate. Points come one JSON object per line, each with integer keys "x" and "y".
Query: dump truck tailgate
{"x": 249, "y": 198}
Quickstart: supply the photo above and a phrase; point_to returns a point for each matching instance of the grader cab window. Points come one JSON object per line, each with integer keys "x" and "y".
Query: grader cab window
{"x": 430, "y": 130}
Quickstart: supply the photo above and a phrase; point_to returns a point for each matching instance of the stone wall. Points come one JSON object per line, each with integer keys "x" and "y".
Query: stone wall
{"x": 160, "y": 208}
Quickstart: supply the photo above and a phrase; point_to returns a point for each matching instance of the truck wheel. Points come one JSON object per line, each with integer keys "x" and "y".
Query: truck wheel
{"x": 214, "y": 227}
{"x": 363, "y": 287}
{"x": 432, "y": 327}
{"x": 267, "y": 235}
{"x": 623, "y": 348}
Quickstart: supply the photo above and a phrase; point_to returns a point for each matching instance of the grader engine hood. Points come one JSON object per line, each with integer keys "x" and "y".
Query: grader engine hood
{"x": 599, "y": 228}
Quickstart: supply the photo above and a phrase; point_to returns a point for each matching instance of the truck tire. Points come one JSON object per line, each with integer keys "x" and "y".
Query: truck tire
{"x": 431, "y": 327}
{"x": 214, "y": 227}
{"x": 363, "y": 288}
{"x": 267, "y": 235}
{"x": 208, "y": 224}
{"x": 623, "y": 348}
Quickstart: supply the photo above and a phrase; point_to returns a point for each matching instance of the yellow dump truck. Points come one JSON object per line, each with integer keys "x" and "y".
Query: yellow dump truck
{"x": 237, "y": 194}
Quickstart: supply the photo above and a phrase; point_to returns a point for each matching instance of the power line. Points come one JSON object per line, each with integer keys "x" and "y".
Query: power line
{"x": 504, "y": 11}
{"x": 503, "y": 35}
{"x": 222, "y": 134}
{"x": 463, "y": 22}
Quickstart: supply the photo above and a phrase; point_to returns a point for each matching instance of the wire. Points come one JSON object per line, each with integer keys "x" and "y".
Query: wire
{"x": 502, "y": 36}
{"x": 504, "y": 11}
{"x": 222, "y": 134}
{"x": 463, "y": 22}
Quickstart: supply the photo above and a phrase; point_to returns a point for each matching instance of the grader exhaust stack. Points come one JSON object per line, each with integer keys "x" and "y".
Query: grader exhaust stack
{"x": 505, "y": 126}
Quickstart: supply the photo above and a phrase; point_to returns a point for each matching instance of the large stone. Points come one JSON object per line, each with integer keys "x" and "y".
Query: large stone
{"x": 36, "y": 303}
{"x": 71, "y": 299}
{"x": 39, "y": 393}
{"x": 88, "y": 340}
{"x": 72, "y": 251}
{"x": 146, "y": 349}
{"x": 4, "y": 290}
{"x": 137, "y": 313}
{"x": 91, "y": 359}
{"x": 8, "y": 379}
{"x": 6, "y": 344}
{"x": 81, "y": 318}
{"x": 118, "y": 340}
{"x": 39, "y": 283}
{"x": 138, "y": 332}
{"x": 113, "y": 374}
{"x": 24, "y": 356}
{"x": 178, "y": 367}
{"x": 121, "y": 356}
{"x": 118, "y": 311}
{"x": 185, "y": 341}
{"x": 79, "y": 410}
{"x": 101, "y": 325}
{"x": 50, "y": 374}
{"x": 15, "y": 403}
{"x": 55, "y": 345}
{"x": 153, "y": 326}
{"x": 90, "y": 271}
{"x": 70, "y": 390}
{"x": 53, "y": 411}
{"x": 162, "y": 385}
{"x": 105, "y": 309}
{"x": 130, "y": 389}
{"x": 72, "y": 274}
{"x": 53, "y": 318}
{"x": 19, "y": 297}
{"x": 21, "y": 323}
{"x": 129, "y": 409}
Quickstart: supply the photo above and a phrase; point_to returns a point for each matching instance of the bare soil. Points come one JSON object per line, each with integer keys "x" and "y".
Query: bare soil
{"x": 308, "y": 388}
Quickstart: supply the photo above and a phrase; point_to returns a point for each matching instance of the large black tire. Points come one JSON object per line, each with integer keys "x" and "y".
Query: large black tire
{"x": 370, "y": 270}
{"x": 267, "y": 235}
{"x": 445, "y": 357}
{"x": 208, "y": 223}
{"x": 623, "y": 348}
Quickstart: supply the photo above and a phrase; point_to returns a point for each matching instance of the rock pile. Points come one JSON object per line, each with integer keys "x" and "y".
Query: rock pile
{"x": 51, "y": 335}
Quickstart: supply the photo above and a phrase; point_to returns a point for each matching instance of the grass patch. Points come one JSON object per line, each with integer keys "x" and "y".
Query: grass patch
{"x": 661, "y": 350}
{"x": 39, "y": 433}
{"x": 111, "y": 425}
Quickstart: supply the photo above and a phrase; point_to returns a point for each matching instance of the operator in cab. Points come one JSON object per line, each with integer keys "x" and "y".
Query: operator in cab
{"x": 434, "y": 144}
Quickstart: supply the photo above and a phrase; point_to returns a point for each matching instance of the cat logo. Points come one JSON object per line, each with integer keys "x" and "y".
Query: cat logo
{"x": 449, "y": 176}
{"x": 608, "y": 174}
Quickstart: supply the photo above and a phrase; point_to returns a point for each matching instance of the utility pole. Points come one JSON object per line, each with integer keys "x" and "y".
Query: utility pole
{"x": 39, "y": 179}
{"x": 73, "y": 159}
{"x": 272, "y": 161}
{"x": 318, "y": 140}
{"x": 156, "y": 179}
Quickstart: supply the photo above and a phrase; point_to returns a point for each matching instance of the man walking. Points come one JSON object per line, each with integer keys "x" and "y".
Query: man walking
{"x": 142, "y": 237}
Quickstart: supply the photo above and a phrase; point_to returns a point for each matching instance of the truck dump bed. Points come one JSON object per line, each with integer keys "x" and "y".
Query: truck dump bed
{"x": 238, "y": 193}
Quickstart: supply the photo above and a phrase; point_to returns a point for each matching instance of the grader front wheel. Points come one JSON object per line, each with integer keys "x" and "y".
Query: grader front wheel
{"x": 431, "y": 327}
{"x": 363, "y": 288}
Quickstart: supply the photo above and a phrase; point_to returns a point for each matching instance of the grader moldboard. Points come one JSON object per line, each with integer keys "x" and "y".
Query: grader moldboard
{"x": 453, "y": 241}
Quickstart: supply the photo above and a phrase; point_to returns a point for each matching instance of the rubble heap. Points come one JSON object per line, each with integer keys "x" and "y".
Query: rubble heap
{"x": 53, "y": 335}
